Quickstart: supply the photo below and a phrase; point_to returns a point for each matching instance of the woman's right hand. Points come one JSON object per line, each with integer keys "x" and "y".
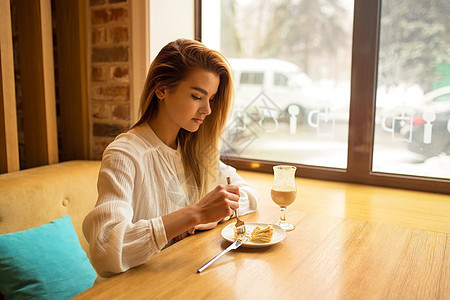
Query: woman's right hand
{"x": 219, "y": 203}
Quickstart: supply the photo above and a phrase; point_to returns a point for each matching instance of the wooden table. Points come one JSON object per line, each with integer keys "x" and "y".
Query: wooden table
{"x": 325, "y": 257}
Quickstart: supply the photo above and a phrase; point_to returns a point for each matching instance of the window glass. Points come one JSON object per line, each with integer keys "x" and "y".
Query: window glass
{"x": 412, "y": 133}
{"x": 251, "y": 78}
{"x": 280, "y": 79}
{"x": 291, "y": 62}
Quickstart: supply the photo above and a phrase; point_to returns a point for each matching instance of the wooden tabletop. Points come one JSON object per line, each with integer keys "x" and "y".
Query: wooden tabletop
{"x": 325, "y": 257}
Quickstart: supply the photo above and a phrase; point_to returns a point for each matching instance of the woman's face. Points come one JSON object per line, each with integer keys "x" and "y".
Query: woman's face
{"x": 188, "y": 104}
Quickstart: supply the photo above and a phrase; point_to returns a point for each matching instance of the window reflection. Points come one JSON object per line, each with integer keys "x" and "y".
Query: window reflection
{"x": 412, "y": 135}
{"x": 291, "y": 68}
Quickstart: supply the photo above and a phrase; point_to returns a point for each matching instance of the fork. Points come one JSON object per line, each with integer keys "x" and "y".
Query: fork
{"x": 240, "y": 231}
{"x": 240, "y": 225}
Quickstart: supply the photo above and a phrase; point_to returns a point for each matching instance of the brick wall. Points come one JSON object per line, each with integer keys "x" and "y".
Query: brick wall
{"x": 109, "y": 65}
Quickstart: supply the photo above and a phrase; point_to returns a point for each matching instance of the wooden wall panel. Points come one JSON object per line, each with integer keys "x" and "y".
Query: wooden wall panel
{"x": 74, "y": 123}
{"x": 37, "y": 80}
{"x": 9, "y": 148}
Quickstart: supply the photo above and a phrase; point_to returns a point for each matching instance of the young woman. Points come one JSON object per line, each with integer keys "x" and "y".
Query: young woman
{"x": 163, "y": 179}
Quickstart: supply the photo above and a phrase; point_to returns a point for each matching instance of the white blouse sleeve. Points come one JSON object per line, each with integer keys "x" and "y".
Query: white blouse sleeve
{"x": 248, "y": 202}
{"x": 116, "y": 243}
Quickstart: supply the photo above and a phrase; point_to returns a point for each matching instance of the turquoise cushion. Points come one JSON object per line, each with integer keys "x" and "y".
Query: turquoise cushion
{"x": 46, "y": 262}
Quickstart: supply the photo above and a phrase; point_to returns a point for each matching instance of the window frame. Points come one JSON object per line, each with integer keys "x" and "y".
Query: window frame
{"x": 365, "y": 46}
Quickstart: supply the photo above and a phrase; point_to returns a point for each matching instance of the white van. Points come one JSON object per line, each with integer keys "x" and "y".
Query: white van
{"x": 281, "y": 84}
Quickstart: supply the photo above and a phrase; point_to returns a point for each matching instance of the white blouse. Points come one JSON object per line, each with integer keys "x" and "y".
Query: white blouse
{"x": 140, "y": 180}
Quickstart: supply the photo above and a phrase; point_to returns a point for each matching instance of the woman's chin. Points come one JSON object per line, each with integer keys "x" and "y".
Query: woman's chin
{"x": 192, "y": 128}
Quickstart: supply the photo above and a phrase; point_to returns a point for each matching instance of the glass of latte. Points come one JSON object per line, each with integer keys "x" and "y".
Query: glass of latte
{"x": 284, "y": 192}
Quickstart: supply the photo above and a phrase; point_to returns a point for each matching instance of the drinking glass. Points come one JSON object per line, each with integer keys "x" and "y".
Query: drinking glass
{"x": 284, "y": 192}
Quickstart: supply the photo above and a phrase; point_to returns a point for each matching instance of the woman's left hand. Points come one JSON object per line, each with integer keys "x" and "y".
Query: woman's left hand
{"x": 206, "y": 226}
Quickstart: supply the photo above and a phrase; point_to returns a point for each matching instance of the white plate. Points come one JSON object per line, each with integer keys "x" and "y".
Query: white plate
{"x": 278, "y": 234}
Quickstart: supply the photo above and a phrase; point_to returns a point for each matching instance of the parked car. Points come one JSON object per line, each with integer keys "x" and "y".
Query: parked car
{"x": 430, "y": 133}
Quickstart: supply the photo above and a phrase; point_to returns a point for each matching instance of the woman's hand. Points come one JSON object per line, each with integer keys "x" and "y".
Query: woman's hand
{"x": 203, "y": 227}
{"x": 219, "y": 203}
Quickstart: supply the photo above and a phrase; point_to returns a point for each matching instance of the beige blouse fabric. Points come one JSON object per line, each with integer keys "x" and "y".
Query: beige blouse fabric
{"x": 140, "y": 180}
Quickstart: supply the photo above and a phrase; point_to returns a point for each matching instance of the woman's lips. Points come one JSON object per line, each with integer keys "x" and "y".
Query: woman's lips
{"x": 198, "y": 121}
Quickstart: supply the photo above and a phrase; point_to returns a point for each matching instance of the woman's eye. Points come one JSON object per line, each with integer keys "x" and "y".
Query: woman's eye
{"x": 211, "y": 100}
{"x": 196, "y": 98}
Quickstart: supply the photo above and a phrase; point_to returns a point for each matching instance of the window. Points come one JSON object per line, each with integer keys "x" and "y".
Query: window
{"x": 280, "y": 80}
{"x": 329, "y": 78}
{"x": 298, "y": 59}
{"x": 412, "y": 133}
{"x": 252, "y": 78}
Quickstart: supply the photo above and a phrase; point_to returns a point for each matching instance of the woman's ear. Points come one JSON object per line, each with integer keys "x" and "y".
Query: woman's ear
{"x": 160, "y": 93}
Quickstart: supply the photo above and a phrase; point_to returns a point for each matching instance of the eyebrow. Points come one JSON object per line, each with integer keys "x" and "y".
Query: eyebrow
{"x": 200, "y": 90}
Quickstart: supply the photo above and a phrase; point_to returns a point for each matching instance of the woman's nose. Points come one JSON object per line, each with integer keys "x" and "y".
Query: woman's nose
{"x": 205, "y": 108}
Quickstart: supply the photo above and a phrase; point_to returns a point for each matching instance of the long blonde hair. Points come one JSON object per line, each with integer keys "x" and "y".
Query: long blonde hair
{"x": 200, "y": 149}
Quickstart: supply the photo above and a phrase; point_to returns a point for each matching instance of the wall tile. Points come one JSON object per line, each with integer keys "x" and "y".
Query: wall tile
{"x": 101, "y": 111}
{"x": 110, "y": 54}
{"x": 119, "y": 73}
{"x": 96, "y": 2}
{"x": 98, "y": 74}
{"x": 121, "y": 112}
{"x": 103, "y": 16}
{"x": 111, "y": 93}
{"x": 98, "y": 36}
{"x": 108, "y": 130}
{"x": 118, "y": 34}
